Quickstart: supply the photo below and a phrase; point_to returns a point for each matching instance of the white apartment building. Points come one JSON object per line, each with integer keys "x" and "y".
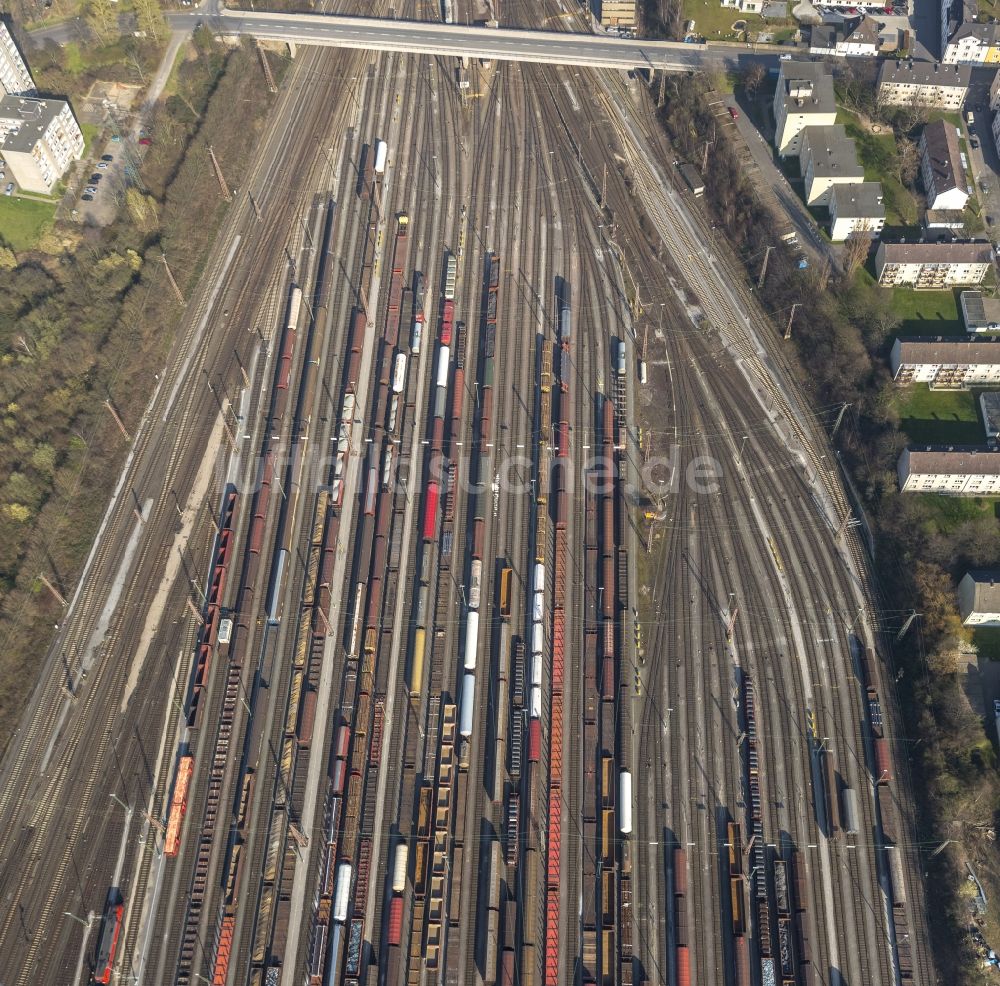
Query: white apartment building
{"x": 930, "y": 84}
{"x": 803, "y": 98}
{"x": 941, "y": 167}
{"x": 38, "y": 140}
{"x": 745, "y": 6}
{"x": 856, "y": 208}
{"x": 973, "y": 44}
{"x": 959, "y": 470}
{"x": 979, "y": 598}
{"x": 932, "y": 265}
{"x": 827, "y": 157}
{"x": 946, "y": 362}
{"x": 14, "y": 75}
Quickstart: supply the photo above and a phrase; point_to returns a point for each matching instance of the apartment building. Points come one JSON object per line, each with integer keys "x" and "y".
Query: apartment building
{"x": 856, "y": 208}
{"x": 861, "y": 39}
{"x": 946, "y": 362}
{"x": 745, "y": 6}
{"x": 14, "y": 75}
{"x": 803, "y": 98}
{"x": 38, "y": 139}
{"x": 941, "y": 167}
{"x": 973, "y": 43}
{"x": 827, "y": 157}
{"x": 979, "y": 598}
{"x": 958, "y": 470}
{"x": 930, "y": 84}
{"x": 932, "y": 265}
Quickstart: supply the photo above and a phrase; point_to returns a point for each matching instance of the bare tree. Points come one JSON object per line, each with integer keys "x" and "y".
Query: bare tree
{"x": 856, "y": 250}
{"x": 907, "y": 161}
{"x": 753, "y": 76}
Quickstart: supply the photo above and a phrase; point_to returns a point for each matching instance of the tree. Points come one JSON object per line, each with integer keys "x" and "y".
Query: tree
{"x": 907, "y": 161}
{"x": 141, "y": 209}
{"x": 753, "y": 76}
{"x": 102, "y": 20}
{"x": 150, "y": 18}
{"x": 856, "y": 250}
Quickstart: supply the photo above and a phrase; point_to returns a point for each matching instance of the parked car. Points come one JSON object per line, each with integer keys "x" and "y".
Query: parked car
{"x": 9, "y": 190}
{"x": 86, "y": 198}
{"x": 734, "y": 112}
{"x": 145, "y": 141}
{"x": 107, "y": 157}
{"x": 102, "y": 164}
{"x": 974, "y": 143}
{"x": 95, "y": 177}
{"x": 91, "y": 190}
{"x": 116, "y": 139}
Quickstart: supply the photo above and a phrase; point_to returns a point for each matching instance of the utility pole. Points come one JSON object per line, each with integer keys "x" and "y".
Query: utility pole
{"x": 55, "y": 592}
{"x": 840, "y": 417}
{"x": 118, "y": 421}
{"x": 704, "y": 158}
{"x": 218, "y": 174}
{"x": 791, "y": 315}
{"x": 907, "y": 623}
{"x": 267, "y": 69}
{"x": 256, "y": 208}
{"x": 763, "y": 267}
{"x": 170, "y": 278}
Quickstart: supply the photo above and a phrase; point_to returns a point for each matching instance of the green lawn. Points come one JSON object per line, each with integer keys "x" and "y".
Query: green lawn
{"x": 877, "y": 155}
{"x": 23, "y": 221}
{"x": 928, "y": 313}
{"x": 946, "y": 513}
{"x": 936, "y": 417}
{"x": 987, "y": 641}
{"x": 91, "y": 131}
{"x": 715, "y": 22}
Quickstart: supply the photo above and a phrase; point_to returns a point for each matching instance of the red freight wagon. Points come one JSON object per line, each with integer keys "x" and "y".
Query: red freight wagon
{"x": 608, "y": 679}
{"x": 680, "y": 872}
{"x": 430, "y": 512}
{"x": 534, "y": 740}
{"x": 447, "y": 319}
{"x": 683, "y": 966}
{"x": 478, "y": 528}
{"x": 883, "y": 761}
{"x": 395, "y": 920}
{"x": 563, "y": 444}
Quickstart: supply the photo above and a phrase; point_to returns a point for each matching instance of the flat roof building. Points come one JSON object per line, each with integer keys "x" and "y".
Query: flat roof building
{"x": 946, "y": 362}
{"x": 909, "y": 83}
{"x": 618, "y": 13}
{"x": 979, "y": 598}
{"x": 856, "y": 208}
{"x": 958, "y": 470}
{"x": 932, "y": 265}
{"x": 989, "y": 405}
{"x": 38, "y": 139}
{"x": 980, "y": 314}
{"x": 803, "y": 98}
{"x": 941, "y": 167}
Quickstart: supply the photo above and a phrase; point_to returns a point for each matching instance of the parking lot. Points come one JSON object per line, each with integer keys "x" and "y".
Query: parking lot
{"x": 101, "y": 194}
